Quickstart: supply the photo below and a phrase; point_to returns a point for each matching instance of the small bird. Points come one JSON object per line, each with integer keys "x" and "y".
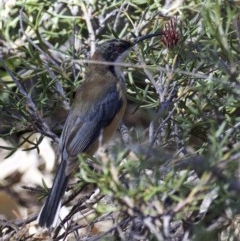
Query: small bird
{"x": 96, "y": 111}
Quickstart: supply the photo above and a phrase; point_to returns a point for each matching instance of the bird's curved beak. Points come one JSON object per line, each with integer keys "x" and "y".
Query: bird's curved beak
{"x": 141, "y": 38}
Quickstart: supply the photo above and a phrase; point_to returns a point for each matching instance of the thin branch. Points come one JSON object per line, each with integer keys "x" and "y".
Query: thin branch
{"x": 87, "y": 12}
{"x": 103, "y": 20}
{"x": 37, "y": 121}
{"x": 48, "y": 57}
{"x": 59, "y": 88}
{"x": 117, "y": 20}
{"x": 164, "y": 106}
{"x": 158, "y": 68}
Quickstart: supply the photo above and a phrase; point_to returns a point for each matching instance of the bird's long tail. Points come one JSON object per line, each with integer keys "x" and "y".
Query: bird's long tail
{"x": 48, "y": 216}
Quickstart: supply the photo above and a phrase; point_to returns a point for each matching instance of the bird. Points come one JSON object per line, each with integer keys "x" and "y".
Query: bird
{"x": 97, "y": 109}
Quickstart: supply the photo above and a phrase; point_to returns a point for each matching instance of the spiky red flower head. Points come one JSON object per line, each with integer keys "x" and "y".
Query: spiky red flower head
{"x": 170, "y": 35}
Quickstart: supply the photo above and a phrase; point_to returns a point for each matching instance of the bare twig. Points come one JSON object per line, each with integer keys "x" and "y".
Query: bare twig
{"x": 87, "y": 12}
{"x": 104, "y": 19}
{"x": 117, "y": 20}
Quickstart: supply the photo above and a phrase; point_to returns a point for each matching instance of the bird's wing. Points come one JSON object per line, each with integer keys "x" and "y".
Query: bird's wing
{"x": 85, "y": 127}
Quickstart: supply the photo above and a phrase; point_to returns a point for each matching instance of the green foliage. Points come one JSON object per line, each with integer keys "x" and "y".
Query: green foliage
{"x": 189, "y": 152}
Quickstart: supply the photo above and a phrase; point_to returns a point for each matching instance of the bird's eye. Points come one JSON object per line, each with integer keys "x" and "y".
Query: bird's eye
{"x": 119, "y": 49}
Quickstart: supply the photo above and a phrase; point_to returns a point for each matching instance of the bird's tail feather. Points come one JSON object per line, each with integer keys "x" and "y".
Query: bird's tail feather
{"x": 48, "y": 216}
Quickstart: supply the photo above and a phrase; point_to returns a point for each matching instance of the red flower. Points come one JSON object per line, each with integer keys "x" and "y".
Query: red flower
{"x": 170, "y": 35}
